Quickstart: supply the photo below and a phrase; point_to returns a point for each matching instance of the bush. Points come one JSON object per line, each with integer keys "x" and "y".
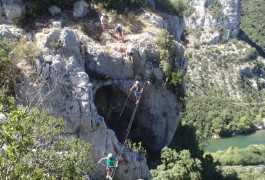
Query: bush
{"x": 216, "y": 9}
{"x": 176, "y": 78}
{"x": 175, "y": 7}
{"x": 26, "y": 50}
{"x": 137, "y": 148}
{"x": 39, "y": 7}
{"x": 176, "y": 165}
{"x": 252, "y": 155}
{"x": 6, "y": 47}
{"x": 34, "y": 145}
{"x": 122, "y": 5}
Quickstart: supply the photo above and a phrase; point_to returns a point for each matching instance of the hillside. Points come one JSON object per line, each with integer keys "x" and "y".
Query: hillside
{"x": 225, "y": 80}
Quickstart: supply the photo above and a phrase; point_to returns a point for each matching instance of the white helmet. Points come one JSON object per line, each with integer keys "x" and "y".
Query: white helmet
{"x": 136, "y": 82}
{"x": 118, "y": 25}
{"x": 110, "y": 155}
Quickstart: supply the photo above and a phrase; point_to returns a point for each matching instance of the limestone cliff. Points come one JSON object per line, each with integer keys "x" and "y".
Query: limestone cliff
{"x": 78, "y": 77}
{"x": 216, "y": 19}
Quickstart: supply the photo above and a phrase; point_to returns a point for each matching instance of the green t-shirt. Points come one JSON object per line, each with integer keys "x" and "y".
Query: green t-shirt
{"x": 110, "y": 162}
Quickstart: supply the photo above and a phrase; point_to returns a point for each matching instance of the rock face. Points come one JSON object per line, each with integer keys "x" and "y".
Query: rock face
{"x": 159, "y": 108}
{"x": 213, "y": 15}
{"x": 174, "y": 24}
{"x": 80, "y": 9}
{"x": 54, "y": 10}
{"x": 10, "y": 32}
{"x": 74, "y": 68}
{"x": 62, "y": 85}
{"x": 12, "y": 9}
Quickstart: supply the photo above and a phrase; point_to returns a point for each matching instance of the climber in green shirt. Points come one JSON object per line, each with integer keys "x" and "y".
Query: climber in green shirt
{"x": 111, "y": 164}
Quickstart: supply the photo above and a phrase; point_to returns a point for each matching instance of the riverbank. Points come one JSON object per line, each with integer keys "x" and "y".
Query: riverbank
{"x": 241, "y": 141}
{"x": 243, "y": 172}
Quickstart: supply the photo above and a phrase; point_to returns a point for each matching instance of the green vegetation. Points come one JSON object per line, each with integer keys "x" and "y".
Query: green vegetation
{"x": 168, "y": 58}
{"x": 220, "y": 115}
{"x": 222, "y": 98}
{"x": 33, "y": 145}
{"x": 136, "y": 147}
{"x": 186, "y": 138}
{"x": 122, "y": 5}
{"x": 252, "y": 21}
{"x": 175, "y": 7}
{"x": 243, "y": 173}
{"x": 6, "y": 47}
{"x": 252, "y": 155}
{"x": 39, "y": 7}
{"x": 216, "y": 8}
{"x": 11, "y": 53}
{"x": 177, "y": 166}
{"x": 26, "y": 50}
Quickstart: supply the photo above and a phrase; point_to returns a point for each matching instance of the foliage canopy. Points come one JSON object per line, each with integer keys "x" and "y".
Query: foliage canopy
{"x": 33, "y": 145}
{"x": 177, "y": 166}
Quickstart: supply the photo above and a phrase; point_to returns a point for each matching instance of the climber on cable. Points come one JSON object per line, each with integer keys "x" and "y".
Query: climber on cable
{"x": 138, "y": 91}
{"x": 111, "y": 164}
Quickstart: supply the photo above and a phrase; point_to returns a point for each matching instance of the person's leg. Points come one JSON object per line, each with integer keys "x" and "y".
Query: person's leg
{"x": 110, "y": 173}
{"x": 107, "y": 173}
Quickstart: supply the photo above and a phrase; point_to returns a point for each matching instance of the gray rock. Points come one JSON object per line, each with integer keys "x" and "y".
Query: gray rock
{"x": 2, "y": 117}
{"x": 57, "y": 24}
{"x": 10, "y": 32}
{"x": 66, "y": 90}
{"x": 150, "y": 3}
{"x": 13, "y": 9}
{"x": 173, "y": 24}
{"x": 158, "y": 74}
{"x": 228, "y": 21}
{"x": 54, "y": 10}
{"x": 80, "y": 9}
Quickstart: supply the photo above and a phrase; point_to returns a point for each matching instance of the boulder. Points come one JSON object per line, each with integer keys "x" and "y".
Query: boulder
{"x": 54, "y": 10}
{"x": 13, "y": 9}
{"x": 10, "y": 32}
{"x": 80, "y": 9}
{"x": 2, "y": 117}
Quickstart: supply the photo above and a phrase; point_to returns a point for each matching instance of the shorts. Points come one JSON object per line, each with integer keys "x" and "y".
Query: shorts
{"x": 110, "y": 169}
{"x": 137, "y": 93}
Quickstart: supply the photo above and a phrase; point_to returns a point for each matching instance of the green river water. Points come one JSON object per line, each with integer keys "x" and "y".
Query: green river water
{"x": 236, "y": 141}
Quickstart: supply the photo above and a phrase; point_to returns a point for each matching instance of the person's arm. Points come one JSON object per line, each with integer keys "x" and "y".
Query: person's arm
{"x": 132, "y": 88}
{"x": 116, "y": 163}
{"x": 102, "y": 159}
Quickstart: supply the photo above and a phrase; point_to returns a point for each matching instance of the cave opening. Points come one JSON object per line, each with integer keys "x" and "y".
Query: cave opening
{"x": 109, "y": 101}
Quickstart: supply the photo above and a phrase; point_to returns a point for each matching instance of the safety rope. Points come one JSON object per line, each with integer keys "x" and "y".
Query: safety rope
{"x": 116, "y": 124}
{"x": 128, "y": 131}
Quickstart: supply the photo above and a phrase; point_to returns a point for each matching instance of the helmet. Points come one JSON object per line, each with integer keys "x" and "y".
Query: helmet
{"x": 136, "y": 82}
{"x": 110, "y": 155}
{"x": 118, "y": 25}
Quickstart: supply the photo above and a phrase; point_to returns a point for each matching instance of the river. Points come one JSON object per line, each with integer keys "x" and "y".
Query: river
{"x": 240, "y": 141}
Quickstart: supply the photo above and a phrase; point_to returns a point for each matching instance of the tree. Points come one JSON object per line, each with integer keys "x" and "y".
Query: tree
{"x": 177, "y": 166}
{"x": 6, "y": 47}
{"x": 33, "y": 145}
